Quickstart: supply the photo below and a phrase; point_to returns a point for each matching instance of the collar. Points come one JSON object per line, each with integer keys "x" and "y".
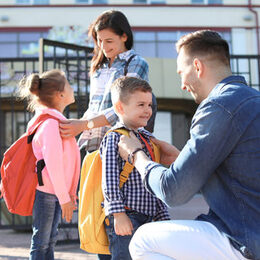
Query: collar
{"x": 226, "y": 81}
{"x": 233, "y": 79}
{"x": 123, "y": 56}
{"x": 140, "y": 130}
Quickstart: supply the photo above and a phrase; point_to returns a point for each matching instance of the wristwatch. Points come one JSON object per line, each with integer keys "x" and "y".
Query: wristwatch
{"x": 131, "y": 155}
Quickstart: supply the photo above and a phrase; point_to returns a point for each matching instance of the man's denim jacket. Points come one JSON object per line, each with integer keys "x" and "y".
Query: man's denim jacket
{"x": 222, "y": 160}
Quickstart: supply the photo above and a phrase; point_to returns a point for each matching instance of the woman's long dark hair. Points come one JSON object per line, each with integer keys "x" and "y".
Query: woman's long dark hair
{"x": 115, "y": 21}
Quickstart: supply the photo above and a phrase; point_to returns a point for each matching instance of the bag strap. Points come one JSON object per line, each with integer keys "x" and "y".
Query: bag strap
{"x": 127, "y": 64}
{"x": 40, "y": 164}
{"x": 128, "y": 168}
{"x": 148, "y": 146}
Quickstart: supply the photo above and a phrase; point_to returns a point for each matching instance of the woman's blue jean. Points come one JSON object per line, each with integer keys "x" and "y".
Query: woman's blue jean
{"x": 46, "y": 216}
{"x": 118, "y": 245}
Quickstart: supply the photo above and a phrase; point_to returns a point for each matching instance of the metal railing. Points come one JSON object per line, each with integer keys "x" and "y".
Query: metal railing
{"x": 247, "y": 66}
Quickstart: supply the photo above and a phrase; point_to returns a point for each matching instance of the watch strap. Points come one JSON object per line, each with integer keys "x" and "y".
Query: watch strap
{"x": 131, "y": 155}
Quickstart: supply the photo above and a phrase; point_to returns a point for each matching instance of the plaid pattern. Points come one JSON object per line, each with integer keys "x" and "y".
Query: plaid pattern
{"x": 100, "y": 97}
{"x": 133, "y": 194}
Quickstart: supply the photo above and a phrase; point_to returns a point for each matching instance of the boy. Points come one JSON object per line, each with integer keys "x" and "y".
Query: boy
{"x": 132, "y": 206}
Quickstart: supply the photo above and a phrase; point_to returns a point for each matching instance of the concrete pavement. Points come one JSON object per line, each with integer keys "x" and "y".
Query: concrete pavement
{"x": 15, "y": 245}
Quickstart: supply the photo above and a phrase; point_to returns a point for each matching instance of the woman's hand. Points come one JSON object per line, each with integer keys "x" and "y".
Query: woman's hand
{"x": 72, "y": 127}
{"x": 168, "y": 152}
{"x": 122, "y": 224}
{"x": 67, "y": 210}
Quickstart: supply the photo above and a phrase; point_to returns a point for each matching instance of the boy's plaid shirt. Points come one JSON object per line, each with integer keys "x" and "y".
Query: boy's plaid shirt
{"x": 133, "y": 194}
{"x": 100, "y": 98}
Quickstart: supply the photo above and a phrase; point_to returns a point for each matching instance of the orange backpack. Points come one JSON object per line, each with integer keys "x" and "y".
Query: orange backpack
{"x": 18, "y": 173}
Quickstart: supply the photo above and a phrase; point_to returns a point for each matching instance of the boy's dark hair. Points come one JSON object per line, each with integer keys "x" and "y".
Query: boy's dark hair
{"x": 205, "y": 42}
{"x": 122, "y": 87}
{"x": 115, "y": 21}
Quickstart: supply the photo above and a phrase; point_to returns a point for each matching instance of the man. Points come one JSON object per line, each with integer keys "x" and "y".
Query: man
{"x": 221, "y": 159}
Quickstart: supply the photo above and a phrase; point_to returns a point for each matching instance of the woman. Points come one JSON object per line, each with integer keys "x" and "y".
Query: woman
{"x": 113, "y": 58}
{"x": 113, "y": 40}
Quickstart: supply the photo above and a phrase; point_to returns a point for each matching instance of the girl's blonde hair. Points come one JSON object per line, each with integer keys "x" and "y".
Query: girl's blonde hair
{"x": 39, "y": 89}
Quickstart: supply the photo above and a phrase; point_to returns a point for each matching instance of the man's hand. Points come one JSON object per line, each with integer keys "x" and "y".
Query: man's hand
{"x": 122, "y": 224}
{"x": 72, "y": 127}
{"x": 67, "y": 210}
{"x": 168, "y": 152}
{"x": 128, "y": 145}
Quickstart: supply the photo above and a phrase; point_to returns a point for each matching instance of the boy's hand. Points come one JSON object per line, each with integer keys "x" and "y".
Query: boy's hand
{"x": 67, "y": 210}
{"x": 122, "y": 224}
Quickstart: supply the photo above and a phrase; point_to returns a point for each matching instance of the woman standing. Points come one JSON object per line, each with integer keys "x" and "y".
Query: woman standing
{"x": 113, "y": 58}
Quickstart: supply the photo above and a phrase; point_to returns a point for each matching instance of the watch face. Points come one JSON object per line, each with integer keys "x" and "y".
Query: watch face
{"x": 130, "y": 158}
{"x": 90, "y": 124}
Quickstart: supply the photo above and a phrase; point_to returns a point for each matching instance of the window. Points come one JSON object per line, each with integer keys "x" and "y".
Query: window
{"x": 20, "y": 44}
{"x": 207, "y": 2}
{"x": 94, "y": 2}
{"x": 33, "y": 2}
{"x": 162, "y": 44}
{"x": 163, "y": 126}
{"x": 149, "y": 1}
{"x": 99, "y": 2}
{"x": 23, "y": 1}
{"x": 157, "y": 1}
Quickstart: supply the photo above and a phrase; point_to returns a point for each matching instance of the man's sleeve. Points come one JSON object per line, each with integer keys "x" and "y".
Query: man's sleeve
{"x": 213, "y": 135}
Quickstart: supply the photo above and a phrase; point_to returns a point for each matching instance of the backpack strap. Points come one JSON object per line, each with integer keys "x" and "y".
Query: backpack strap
{"x": 148, "y": 146}
{"x": 128, "y": 168}
{"x": 127, "y": 64}
{"x": 39, "y": 166}
{"x": 153, "y": 149}
{"x": 156, "y": 150}
{"x": 41, "y": 163}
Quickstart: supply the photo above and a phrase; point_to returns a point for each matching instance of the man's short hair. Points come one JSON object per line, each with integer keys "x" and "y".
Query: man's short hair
{"x": 205, "y": 42}
{"x": 124, "y": 86}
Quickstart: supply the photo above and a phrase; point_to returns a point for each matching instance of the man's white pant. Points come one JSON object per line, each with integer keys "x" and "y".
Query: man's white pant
{"x": 181, "y": 240}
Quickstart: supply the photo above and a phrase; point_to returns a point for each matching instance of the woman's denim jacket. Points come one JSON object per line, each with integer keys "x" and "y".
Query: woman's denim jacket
{"x": 222, "y": 160}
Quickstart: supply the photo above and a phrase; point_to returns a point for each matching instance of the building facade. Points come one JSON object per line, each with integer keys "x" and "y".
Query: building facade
{"x": 157, "y": 25}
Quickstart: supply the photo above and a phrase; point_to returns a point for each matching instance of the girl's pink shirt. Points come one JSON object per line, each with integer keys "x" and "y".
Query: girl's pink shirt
{"x": 62, "y": 158}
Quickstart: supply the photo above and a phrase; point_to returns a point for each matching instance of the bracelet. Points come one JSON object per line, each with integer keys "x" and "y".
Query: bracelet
{"x": 131, "y": 155}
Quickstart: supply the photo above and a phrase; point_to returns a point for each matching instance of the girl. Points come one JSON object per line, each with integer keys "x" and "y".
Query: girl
{"x": 50, "y": 93}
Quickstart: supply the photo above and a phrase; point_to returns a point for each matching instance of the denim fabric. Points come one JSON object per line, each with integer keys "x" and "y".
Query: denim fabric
{"x": 118, "y": 245}
{"x": 104, "y": 257}
{"x": 222, "y": 159}
{"x": 46, "y": 216}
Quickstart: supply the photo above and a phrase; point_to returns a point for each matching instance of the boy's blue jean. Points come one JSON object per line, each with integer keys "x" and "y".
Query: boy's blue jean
{"x": 46, "y": 216}
{"x": 118, "y": 245}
